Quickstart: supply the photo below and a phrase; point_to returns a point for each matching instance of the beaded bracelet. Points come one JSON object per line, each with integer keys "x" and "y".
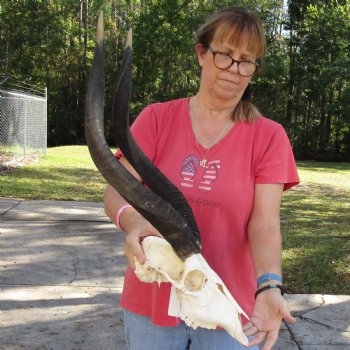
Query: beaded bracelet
{"x": 119, "y": 213}
{"x": 268, "y": 276}
{"x": 270, "y": 286}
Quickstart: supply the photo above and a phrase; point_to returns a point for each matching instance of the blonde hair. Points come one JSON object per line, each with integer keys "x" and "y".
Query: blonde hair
{"x": 236, "y": 25}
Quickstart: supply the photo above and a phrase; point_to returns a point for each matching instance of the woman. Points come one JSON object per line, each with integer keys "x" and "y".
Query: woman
{"x": 232, "y": 165}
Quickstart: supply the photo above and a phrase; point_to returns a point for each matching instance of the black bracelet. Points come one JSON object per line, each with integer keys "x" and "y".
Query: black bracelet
{"x": 269, "y": 286}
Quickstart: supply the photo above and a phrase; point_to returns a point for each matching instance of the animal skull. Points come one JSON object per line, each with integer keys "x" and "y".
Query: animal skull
{"x": 198, "y": 295}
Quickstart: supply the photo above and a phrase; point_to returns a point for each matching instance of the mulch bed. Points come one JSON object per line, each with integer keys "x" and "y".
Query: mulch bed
{"x": 9, "y": 162}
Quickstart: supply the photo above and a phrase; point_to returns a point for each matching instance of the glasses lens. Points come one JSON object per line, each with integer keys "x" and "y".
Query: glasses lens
{"x": 222, "y": 60}
{"x": 225, "y": 61}
{"x": 246, "y": 68}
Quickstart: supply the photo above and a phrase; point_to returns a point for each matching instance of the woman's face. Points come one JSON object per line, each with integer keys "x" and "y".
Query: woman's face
{"x": 224, "y": 85}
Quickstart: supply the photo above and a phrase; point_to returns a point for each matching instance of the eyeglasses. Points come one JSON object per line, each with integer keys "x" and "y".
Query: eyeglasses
{"x": 224, "y": 61}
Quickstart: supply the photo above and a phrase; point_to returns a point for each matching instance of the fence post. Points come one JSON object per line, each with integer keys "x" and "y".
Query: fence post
{"x": 25, "y": 129}
{"x": 45, "y": 148}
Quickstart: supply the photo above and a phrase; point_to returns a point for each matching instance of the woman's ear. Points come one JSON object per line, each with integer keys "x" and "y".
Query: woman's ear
{"x": 200, "y": 50}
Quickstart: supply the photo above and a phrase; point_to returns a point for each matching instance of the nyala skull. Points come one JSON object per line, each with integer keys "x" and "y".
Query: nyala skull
{"x": 198, "y": 296}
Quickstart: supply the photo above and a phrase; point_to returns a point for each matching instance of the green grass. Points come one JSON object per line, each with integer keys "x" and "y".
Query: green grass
{"x": 316, "y": 230}
{"x": 65, "y": 173}
{"x": 315, "y": 215}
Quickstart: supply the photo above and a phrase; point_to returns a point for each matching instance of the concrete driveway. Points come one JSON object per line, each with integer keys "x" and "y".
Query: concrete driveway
{"x": 61, "y": 275}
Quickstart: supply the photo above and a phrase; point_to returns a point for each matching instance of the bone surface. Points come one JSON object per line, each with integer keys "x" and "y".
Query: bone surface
{"x": 198, "y": 296}
{"x": 162, "y": 264}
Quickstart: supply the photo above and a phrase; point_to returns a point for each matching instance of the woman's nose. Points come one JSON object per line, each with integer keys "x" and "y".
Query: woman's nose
{"x": 234, "y": 67}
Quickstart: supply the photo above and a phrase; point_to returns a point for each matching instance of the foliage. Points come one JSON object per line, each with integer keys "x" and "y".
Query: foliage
{"x": 304, "y": 83}
{"x": 319, "y": 55}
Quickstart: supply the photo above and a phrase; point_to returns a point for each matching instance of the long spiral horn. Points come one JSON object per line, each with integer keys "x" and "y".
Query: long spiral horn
{"x": 162, "y": 215}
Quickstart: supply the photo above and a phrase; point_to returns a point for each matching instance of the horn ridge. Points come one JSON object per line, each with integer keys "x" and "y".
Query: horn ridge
{"x": 151, "y": 175}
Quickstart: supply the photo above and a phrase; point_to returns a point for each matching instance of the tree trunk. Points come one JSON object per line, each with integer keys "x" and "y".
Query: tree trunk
{"x": 291, "y": 82}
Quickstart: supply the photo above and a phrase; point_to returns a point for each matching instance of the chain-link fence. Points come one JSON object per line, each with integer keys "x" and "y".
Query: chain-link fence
{"x": 23, "y": 124}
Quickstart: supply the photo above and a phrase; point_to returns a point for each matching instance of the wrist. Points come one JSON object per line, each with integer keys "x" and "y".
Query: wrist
{"x": 268, "y": 277}
{"x": 118, "y": 217}
{"x": 270, "y": 287}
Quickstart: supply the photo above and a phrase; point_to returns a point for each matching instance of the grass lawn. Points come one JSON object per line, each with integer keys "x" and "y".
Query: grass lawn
{"x": 315, "y": 215}
{"x": 65, "y": 173}
{"x": 316, "y": 230}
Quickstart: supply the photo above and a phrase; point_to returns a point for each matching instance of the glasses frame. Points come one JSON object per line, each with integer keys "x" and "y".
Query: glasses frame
{"x": 257, "y": 65}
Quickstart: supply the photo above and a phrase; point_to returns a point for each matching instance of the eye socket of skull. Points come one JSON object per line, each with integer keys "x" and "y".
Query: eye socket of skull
{"x": 195, "y": 280}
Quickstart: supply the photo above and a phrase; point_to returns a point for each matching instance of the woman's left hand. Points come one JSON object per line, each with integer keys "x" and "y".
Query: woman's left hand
{"x": 269, "y": 310}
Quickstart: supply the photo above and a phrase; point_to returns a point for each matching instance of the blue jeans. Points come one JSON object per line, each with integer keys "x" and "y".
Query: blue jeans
{"x": 142, "y": 334}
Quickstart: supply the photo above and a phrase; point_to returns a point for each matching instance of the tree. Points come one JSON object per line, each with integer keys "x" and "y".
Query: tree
{"x": 303, "y": 84}
{"x": 319, "y": 61}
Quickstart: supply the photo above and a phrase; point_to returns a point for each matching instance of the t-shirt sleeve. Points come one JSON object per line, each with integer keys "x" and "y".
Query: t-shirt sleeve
{"x": 276, "y": 163}
{"x": 144, "y": 131}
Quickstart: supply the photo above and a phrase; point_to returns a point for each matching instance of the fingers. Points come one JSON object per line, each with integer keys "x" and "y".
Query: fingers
{"x": 133, "y": 249}
{"x": 286, "y": 315}
{"x": 271, "y": 340}
{"x": 258, "y": 338}
{"x": 259, "y": 323}
{"x": 250, "y": 329}
{"x": 246, "y": 328}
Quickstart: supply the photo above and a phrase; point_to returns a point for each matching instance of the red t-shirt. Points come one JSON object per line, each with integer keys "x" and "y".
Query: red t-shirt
{"x": 220, "y": 194}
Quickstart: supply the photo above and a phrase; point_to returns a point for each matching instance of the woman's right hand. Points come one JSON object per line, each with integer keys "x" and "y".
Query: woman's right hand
{"x": 137, "y": 228}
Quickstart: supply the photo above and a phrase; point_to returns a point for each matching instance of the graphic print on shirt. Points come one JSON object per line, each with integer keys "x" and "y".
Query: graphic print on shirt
{"x": 189, "y": 171}
{"x": 210, "y": 175}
